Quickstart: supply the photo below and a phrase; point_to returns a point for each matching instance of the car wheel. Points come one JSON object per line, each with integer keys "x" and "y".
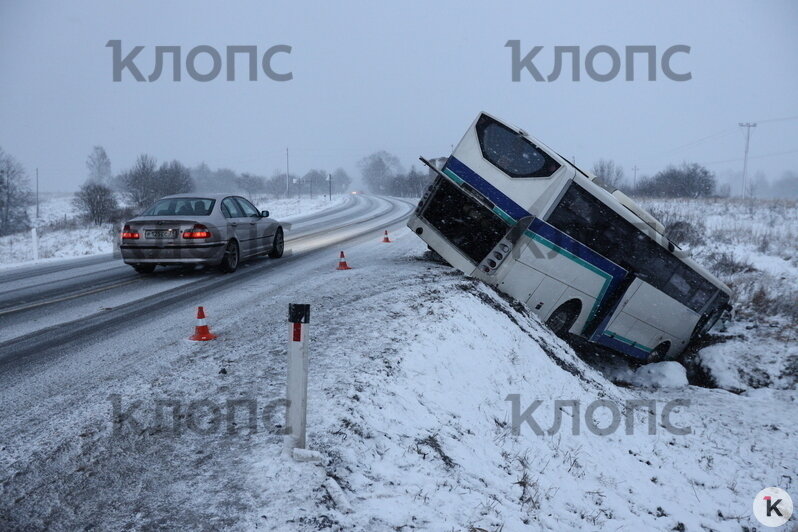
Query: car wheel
{"x": 231, "y": 256}
{"x": 562, "y": 319}
{"x": 144, "y": 268}
{"x": 278, "y": 245}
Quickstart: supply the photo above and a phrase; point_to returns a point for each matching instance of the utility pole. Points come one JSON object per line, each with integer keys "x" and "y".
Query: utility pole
{"x": 287, "y": 173}
{"x": 329, "y": 178}
{"x": 634, "y": 179}
{"x": 37, "y": 194}
{"x": 4, "y": 172}
{"x": 747, "y": 126}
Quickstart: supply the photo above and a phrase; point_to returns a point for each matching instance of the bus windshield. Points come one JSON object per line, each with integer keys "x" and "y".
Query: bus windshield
{"x": 511, "y": 152}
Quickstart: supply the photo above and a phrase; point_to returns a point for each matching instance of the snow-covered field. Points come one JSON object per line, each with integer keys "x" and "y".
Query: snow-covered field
{"x": 61, "y": 234}
{"x": 413, "y": 373}
{"x": 753, "y": 247}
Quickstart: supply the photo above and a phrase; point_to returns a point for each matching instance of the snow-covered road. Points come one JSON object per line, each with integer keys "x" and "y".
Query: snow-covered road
{"x": 53, "y": 304}
{"x": 55, "y": 381}
{"x": 411, "y": 364}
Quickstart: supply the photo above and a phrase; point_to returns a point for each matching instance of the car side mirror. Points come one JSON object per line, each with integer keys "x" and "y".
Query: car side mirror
{"x": 264, "y": 214}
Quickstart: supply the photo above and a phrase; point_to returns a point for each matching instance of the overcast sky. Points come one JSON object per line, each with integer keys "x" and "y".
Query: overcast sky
{"x": 407, "y": 77}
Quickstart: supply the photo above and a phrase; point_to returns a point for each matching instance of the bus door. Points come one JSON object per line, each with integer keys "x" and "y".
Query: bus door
{"x": 629, "y": 326}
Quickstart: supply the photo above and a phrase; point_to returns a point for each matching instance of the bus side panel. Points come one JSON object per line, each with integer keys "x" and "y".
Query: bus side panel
{"x": 520, "y": 280}
{"x": 575, "y": 282}
{"x": 546, "y": 295}
{"x": 638, "y": 326}
{"x": 668, "y": 316}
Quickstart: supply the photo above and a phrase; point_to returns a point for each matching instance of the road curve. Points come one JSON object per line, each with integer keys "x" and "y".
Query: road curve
{"x": 30, "y": 309}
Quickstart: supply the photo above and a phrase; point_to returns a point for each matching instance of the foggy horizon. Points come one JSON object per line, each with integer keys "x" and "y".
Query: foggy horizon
{"x": 387, "y": 77}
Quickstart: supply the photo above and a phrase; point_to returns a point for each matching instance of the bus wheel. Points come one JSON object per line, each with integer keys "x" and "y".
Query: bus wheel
{"x": 660, "y": 353}
{"x": 562, "y": 319}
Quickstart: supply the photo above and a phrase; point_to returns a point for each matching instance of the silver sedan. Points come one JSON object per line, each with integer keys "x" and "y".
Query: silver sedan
{"x": 209, "y": 229}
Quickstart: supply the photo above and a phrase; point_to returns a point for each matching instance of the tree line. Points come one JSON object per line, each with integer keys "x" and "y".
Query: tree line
{"x": 688, "y": 180}
{"x": 382, "y": 173}
{"x": 146, "y": 181}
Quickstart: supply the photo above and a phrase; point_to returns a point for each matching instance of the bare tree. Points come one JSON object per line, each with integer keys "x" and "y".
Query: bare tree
{"x": 99, "y": 166}
{"x": 316, "y": 180}
{"x": 378, "y": 170}
{"x": 251, "y": 184}
{"x": 145, "y": 182}
{"x": 276, "y": 184}
{"x": 609, "y": 172}
{"x": 140, "y": 183}
{"x": 174, "y": 178}
{"x": 96, "y": 202}
{"x": 14, "y": 195}
{"x": 417, "y": 182}
{"x": 340, "y": 181}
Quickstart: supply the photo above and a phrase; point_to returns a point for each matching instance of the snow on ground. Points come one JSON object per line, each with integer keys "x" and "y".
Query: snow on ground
{"x": 53, "y": 208}
{"x": 416, "y": 425}
{"x": 411, "y": 367}
{"x": 61, "y": 234}
{"x": 751, "y": 245}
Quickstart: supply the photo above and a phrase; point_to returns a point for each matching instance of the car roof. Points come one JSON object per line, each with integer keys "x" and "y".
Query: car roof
{"x": 215, "y": 195}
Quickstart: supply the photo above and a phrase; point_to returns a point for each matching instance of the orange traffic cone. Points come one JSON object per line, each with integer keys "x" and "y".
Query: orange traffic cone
{"x": 201, "y": 331}
{"x": 342, "y": 265}
{"x": 385, "y": 239}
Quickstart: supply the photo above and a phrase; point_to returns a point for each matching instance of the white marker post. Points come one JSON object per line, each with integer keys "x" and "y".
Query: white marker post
{"x": 35, "y": 243}
{"x": 297, "y": 383}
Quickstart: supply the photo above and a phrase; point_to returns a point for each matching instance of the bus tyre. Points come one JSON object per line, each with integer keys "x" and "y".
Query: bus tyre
{"x": 229, "y": 262}
{"x": 562, "y": 319}
{"x": 659, "y": 353}
{"x": 278, "y": 245}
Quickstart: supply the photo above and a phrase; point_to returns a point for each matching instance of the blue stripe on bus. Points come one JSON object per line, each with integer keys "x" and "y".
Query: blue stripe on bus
{"x": 489, "y": 191}
{"x": 548, "y": 234}
{"x": 634, "y": 350}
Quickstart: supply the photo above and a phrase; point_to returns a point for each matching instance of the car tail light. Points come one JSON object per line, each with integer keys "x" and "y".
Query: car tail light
{"x": 198, "y": 231}
{"x": 128, "y": 234}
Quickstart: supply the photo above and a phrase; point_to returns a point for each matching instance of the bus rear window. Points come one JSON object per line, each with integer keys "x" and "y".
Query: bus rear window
{"x": 465, "y": 223}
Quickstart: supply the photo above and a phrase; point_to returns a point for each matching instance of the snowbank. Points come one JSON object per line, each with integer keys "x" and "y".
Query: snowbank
{"x": 415, "y": 421}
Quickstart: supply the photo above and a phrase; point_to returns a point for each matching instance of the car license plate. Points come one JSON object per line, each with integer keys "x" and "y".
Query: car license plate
{"x": 160, "y": 233}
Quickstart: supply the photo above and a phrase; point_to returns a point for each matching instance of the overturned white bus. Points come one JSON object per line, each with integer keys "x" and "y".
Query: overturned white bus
{"x": 512, "y": 212}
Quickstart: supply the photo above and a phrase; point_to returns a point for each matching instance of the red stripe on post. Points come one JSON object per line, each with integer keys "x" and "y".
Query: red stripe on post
{"x": 297, "y": 332}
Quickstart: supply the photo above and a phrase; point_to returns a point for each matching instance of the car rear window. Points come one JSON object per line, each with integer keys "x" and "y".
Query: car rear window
{"x": 181, "y": 207}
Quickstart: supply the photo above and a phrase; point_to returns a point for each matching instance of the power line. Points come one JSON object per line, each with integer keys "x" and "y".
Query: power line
{"x": 782, "y": 119}
{"x": 762, "y": 156}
